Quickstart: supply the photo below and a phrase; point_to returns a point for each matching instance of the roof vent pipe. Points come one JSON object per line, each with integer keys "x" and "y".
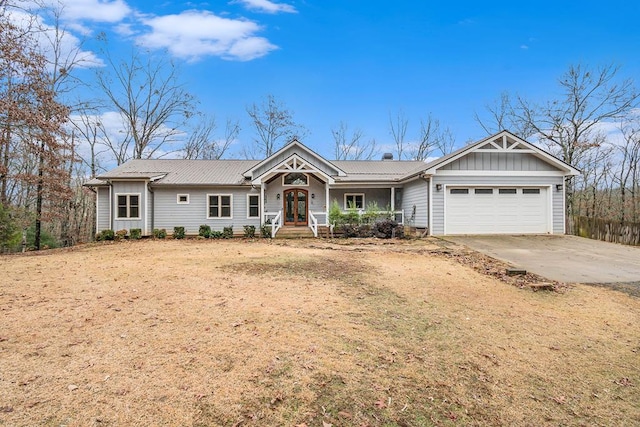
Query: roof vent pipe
{"x": 387, "y": 156}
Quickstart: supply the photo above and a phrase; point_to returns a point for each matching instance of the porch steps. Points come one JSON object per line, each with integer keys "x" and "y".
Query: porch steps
{"x": 289, "y": 232}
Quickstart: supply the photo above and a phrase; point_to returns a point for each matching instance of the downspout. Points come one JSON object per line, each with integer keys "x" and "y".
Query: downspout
{"x": 95, "y": 225}
{"x": 110, "y": 204}
{"x": 430, "y": 206}
{"x": 151, "y": 207}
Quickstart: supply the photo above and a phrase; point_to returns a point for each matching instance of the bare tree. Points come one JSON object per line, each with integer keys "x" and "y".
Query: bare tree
{"x": 626, "y": 176}
{"x": 353, "y": 146}
{"x": 88, "y": 127}
{"x": 202, "y": 143}
{"x": 33, "y": 147}
{"x": 570, "y": 126}
{"x": 274, "y": 125}
{"x": 432, "y": 138}
{"x": 398, "y": 129}
{"x": 154, "y": 106}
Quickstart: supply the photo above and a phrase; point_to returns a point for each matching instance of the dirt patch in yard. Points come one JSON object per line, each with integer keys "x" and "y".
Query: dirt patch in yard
{"x": 305, "y": 333}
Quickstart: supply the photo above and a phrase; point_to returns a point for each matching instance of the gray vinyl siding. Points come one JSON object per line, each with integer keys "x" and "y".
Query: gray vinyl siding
{"x": 170, "y": 214}
{"x": 557, "y": 197}
{"x": 380, "y": 196}
{"x": 312, "y": 160}
{"x": 126, "y": 187}
{"x": 103, "y": 221}
{"x": 416, "y": 193}
{"x": 500, "y": 162}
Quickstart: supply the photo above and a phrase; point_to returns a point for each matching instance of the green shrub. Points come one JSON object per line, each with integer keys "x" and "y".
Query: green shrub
{"x": 335, "y": 213}
{"x": 250, "y": 231}
{"x": 135, "y": 233}
{"x": 227, "y": 232}
{"x": 9, "y": 230}
{"x": 105, "y": 235}
{"x": 216, "y": 235}
{"x": 265, "y": 231}
{"x": 205, "y": 231}
{"x": 159, "y": 233}
{"x": 178, "y": 232}
{"x": 370, "y": 214}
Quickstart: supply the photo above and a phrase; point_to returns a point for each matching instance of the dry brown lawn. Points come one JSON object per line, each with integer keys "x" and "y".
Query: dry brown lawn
{"x": 304, "y": 333}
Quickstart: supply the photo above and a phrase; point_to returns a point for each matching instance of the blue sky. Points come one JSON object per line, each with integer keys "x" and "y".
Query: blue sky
{"x": 360, "y": 61}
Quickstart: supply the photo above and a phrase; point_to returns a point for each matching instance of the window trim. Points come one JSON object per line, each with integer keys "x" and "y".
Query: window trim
{"x": 128, "y": 217}
{"x": 219, "y": 195}
{"x": 181, "y": 195}
{"x": 295, "y": 185}
{"x": 346, "y": 204}
{"x": 249, "y": 196}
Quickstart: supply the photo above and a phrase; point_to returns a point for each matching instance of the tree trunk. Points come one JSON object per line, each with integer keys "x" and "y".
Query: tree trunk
{"x": 39, "y": 190}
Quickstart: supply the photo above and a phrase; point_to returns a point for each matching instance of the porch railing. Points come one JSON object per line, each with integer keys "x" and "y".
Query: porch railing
{"x": 274, "y": 220}
{"x": 313, "y": 224}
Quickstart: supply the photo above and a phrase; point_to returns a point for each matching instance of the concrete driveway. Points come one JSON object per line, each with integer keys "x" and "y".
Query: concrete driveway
{"x": 569, "y": 259}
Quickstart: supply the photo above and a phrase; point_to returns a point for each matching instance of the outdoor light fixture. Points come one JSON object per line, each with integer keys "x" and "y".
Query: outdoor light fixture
{"x": 439, "y": 187}
{"x": 559, "y": 187}
{"x": 313, "y": 195}
{"x": 278, "y": 196}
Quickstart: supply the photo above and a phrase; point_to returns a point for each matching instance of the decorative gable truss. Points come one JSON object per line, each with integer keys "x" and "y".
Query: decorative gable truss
{"x": 500, "y": 154}
{"x": 292, "y": 164}
{"x": 504, "y": 144}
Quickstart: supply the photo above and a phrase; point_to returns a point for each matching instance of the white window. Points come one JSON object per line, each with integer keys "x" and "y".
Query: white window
{"x": 182, "y": 199}
{"x": 128, "y": 206}
{"x": 253, "y": 206}
{"x": 354, "y": 200}
{"x": 219, "y": 205}
{"x": 295, "y": 179}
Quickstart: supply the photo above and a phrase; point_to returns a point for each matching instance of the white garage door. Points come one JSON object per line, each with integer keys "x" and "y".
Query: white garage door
{"x": 497, "y": 210}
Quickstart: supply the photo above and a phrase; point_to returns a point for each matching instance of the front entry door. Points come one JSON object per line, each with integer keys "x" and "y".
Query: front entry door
{"x": 295, "y": 207}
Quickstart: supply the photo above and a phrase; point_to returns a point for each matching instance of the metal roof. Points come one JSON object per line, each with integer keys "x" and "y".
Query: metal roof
{"x": 231, "y": 172}
{"x": 378, "y": 170}
{"x": 184, "y": 172}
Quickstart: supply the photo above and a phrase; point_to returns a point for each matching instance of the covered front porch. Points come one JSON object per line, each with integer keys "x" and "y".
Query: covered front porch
{"x": 298, "y": 188}
{"x": 310, "y": 205}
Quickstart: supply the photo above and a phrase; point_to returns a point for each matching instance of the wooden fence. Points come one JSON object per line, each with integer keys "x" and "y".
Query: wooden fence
{"x": 609, "y": 231}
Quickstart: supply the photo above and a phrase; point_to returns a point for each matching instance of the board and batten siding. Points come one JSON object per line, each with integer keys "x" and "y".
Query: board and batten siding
{"x": 169, "y": 213}
{"x": 557, "y": 197}
{"x": 502, "y": 161}
{"x": 103, "y": 209}
{"x": 129, "y": 187}
{"x": 416, "y": 193}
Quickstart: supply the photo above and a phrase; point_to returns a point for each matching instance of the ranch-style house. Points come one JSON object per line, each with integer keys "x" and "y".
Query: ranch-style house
{"x": 499, "y": 185}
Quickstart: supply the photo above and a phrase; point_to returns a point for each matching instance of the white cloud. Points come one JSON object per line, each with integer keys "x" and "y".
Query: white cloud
{"x": 194, "y": 34}
{"x": 68, "y": 46}
{"x": 95, "y": 10}
{"x": 267, "y": 6}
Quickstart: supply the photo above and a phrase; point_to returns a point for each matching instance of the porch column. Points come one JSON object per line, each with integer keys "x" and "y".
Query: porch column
{"x": 262, "y": 202}
{"x": 393, "y": 199}
{"x": 327, "y": 202}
